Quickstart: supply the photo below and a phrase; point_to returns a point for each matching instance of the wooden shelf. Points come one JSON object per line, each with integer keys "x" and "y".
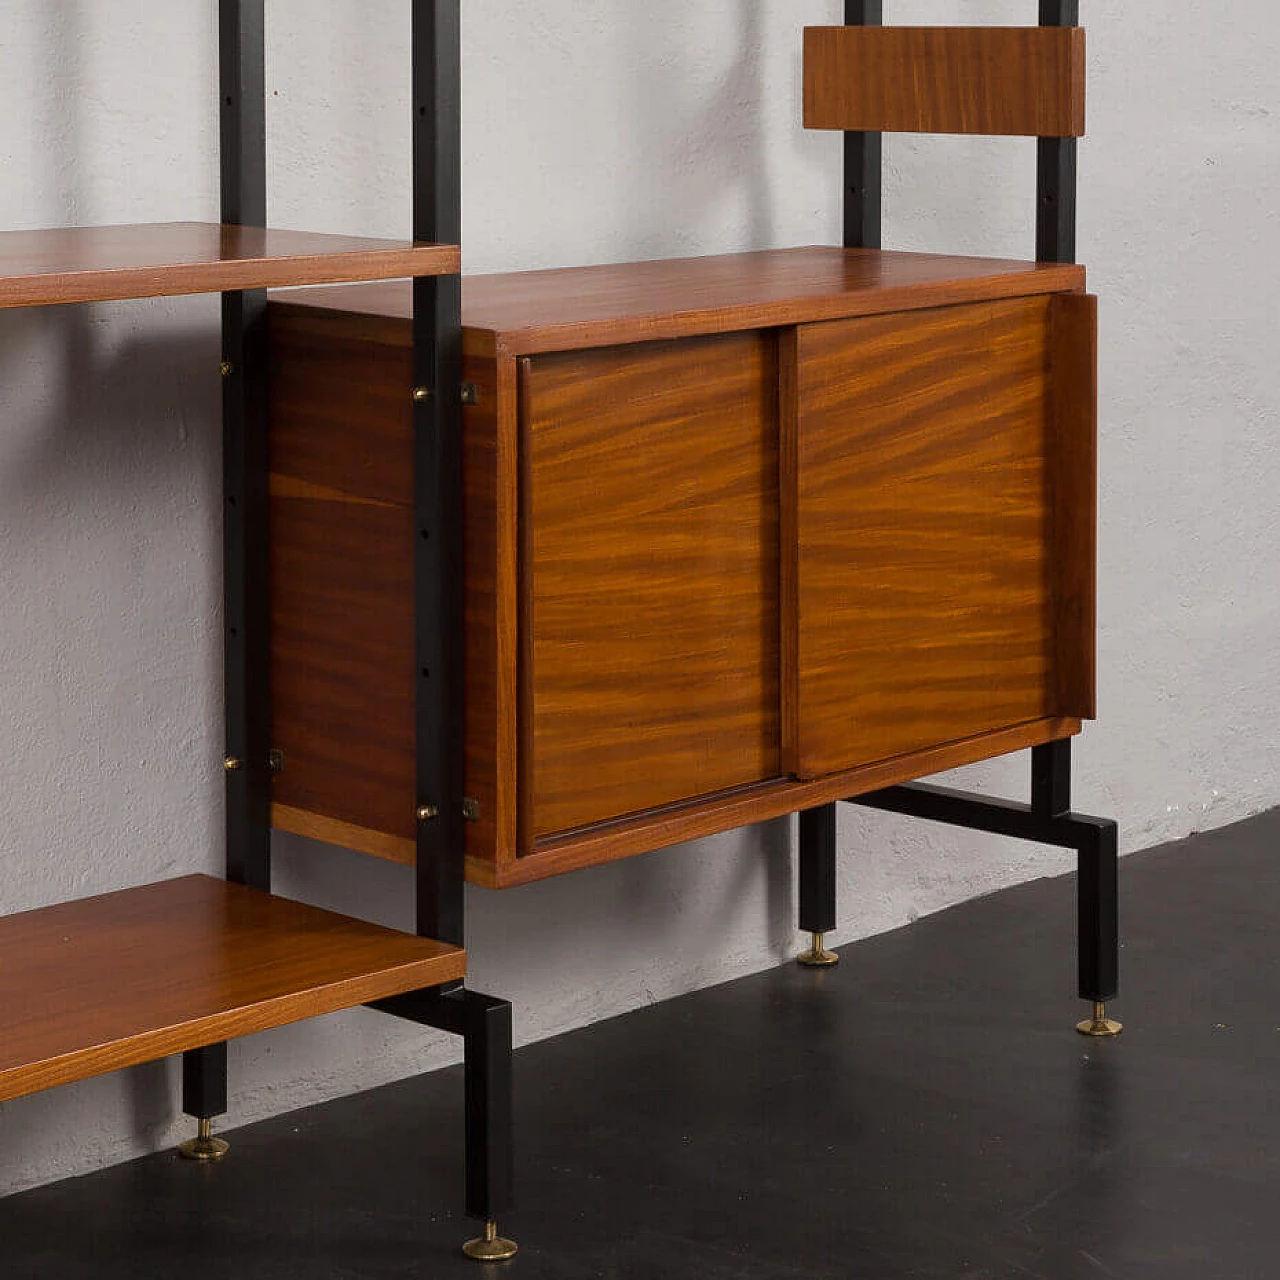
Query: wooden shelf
{"x": 99, "y": 264}
{"x": 570, "y": 309}
{"x": 89, "y": 987}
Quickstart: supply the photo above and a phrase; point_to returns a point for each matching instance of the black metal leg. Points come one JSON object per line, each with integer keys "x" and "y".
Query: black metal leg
{"x": 487, "y": 1036}
{"x": 1099, "y": 924}
{"x": 485, "y": 1026}
{"x": 204, "y": 1096}
{"x": 818, "y": 883}
{"x": 1048, "y": 819}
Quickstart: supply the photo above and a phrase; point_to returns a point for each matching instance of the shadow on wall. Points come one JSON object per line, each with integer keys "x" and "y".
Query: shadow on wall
{"x": 97, "y": 413}
{"x": 717, "y": 145}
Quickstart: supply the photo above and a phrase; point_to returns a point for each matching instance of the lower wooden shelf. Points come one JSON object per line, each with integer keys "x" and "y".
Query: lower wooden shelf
{"x": 109, "y": 982}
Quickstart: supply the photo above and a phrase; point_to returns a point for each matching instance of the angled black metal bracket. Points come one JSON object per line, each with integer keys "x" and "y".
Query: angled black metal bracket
{"x": 1048, "y": 819}
{"x": 485, "y": 1025}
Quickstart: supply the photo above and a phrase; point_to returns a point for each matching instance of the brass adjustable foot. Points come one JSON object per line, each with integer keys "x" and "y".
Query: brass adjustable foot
{"x": 818, "y": 957}
{"x": 204, "y": 1146}
{"x": 1100, "y": 1024}
{"x": 491, "y": 1247}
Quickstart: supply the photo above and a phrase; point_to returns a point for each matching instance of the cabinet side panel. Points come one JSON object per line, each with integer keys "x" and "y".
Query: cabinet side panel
{"x": 1073, "y": 332}
{"x": 342, "y": 585}
{"x": 789, "y": 543}
{"x": 650, "y": 576}
{"x": 924, "y": 524}
{"x": 489, "y": 511}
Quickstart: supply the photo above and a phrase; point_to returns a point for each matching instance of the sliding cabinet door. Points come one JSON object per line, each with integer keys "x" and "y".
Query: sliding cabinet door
{"x": 938, "y": 526}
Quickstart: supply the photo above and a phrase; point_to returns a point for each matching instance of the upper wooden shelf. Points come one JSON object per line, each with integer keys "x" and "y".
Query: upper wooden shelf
{"x": 99, "y": 264}
{"x": 109, "y": 982}
{"x": 568, "y": 309}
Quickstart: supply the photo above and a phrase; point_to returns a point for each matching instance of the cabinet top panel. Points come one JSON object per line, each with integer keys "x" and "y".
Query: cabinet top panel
{"x": 98, "y": 264}
{"x": 572, "y": 308}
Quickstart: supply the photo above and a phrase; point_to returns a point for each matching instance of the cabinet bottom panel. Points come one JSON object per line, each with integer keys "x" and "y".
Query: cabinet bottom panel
{"x": 707, "y": 816}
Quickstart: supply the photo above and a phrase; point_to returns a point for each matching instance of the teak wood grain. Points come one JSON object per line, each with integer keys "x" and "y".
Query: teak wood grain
{"x": 675, "y": 824}
{"x": 531, "y": 312}
{"x": 109, "y": 982}
{"x": 649, "y": 567}
{"x": 922, "y": 510}
{"x": 97, "y": 264}
{"x": 1073, "y": 459}
{"x": 347, "y": 453}
{"x": 341, "y": 575}
{"x": 987, "y": 80}
{"x": 342, "y": 540}
{"x": 491, "y": 501}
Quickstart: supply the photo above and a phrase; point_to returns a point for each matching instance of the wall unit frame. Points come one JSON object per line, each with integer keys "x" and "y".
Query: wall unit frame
{"x": 181, "y": 966}
{"x": 746, "y": 535}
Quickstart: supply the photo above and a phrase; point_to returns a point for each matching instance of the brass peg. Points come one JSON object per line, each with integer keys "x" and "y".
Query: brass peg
{"x": 491, "y": 1247}
{"x": 232, "y": 764}
{"x": 818, "y": 957}
{"x": 428, "y": 811}
{"x": 1099, "y": 1025}
{"x": 204, "y": 1147}
{"x": 421, "y": 394}
{"x": 226, "y": 368}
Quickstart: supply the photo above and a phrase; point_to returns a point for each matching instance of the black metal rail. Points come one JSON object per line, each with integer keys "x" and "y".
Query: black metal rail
{"x": 242, "y": 112}
{"x": 1048, "y": 818}
{"x": 483, "y": 1022}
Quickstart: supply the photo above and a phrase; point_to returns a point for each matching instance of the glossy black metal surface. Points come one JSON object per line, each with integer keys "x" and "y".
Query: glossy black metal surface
{"x": 204, "y": 1082}
{"x": 245, "y": 504}
{"x": 1051, "y": 778}
{"x": 485, "y": 1025}
{"x": 818, "y": 869}
{"x": 246, "y": 600}
{"x": 437, "y": 357}
{"x": 1094, "y": 839}
{"x": 1056, "y": 166}
{"x": 863, "y": 156}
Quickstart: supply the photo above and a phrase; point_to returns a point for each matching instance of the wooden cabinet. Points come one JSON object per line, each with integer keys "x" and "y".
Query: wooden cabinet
{"x": 744, "y": 535}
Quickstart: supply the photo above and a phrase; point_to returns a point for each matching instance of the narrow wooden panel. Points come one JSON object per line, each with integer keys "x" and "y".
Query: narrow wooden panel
{"x": 675, "y": 824}
{"x": 923, "y": 510}
{"x": 490, "y": 505}
{"x": 789, "y": 543}
{"x": 342, "y": 697}
{"x": 345, "y": 835}
{"x": 93, "y": 986}
{"x": 340, "y": 414}
{"x": 540, "y": 311}
{"x": 989, "y": 80}
{"x": 342, "y": 688}
{"x": 96, "y": 264}
{"x": 650, "y": 518}
{"x": 1073, "y": 331}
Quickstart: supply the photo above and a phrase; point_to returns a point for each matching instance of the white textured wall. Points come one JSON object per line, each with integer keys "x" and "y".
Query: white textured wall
{"x": 599, "y": 132}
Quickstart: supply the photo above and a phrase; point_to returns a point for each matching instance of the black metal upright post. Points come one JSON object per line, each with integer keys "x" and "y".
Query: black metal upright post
{"x": 437, "y": 362}
{"x": 863, "y": 156}
{"x": 483, "y": 1022}
{"x": 1056, "y": 166}
{"x": 242, "y": 110}
{"x": 1057, "y": 187}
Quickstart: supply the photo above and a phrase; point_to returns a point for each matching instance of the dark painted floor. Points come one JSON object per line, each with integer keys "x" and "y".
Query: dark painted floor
{"x": 923, "y": 1110}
